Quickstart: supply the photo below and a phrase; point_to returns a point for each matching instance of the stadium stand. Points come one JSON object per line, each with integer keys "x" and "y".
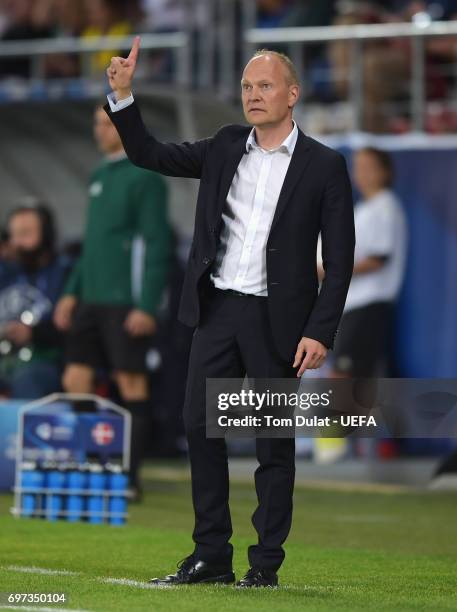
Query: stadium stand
{"x": 43, "y": 140}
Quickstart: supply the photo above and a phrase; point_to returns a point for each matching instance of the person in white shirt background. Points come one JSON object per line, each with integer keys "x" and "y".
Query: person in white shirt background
{"x": 379, "y": 266}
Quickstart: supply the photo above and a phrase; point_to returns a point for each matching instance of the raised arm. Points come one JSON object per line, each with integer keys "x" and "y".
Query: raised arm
{"x": 142, "y": 148}
{"x": 121, "y": 70}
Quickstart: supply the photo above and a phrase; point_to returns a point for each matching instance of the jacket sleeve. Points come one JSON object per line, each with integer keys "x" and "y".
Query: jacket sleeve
{"x": 338, "y": 243}
{"x": 154, "y": 228}
{"x": 185, "y": 160}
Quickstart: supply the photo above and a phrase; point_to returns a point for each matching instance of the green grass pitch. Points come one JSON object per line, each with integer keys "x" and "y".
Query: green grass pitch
{"x": 348, "y": 550}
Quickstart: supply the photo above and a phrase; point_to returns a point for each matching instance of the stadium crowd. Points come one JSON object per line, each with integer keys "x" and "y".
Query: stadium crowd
{"x": 386, "y": 63}
{"x": 85, "y": 19}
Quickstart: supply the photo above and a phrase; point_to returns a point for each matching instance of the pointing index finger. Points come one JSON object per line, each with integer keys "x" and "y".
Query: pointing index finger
{"x": 133, "y": 55}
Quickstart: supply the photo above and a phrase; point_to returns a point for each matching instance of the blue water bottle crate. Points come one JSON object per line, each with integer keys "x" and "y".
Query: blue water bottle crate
{"x": 78, "y": 482}
{"x": 118, "y": 485}
{"x": 74, "y": 492}
{"x": 32, "y": 482}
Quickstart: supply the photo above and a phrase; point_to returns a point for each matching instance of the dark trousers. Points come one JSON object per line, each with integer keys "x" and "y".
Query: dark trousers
{"x": 234, "y": 339}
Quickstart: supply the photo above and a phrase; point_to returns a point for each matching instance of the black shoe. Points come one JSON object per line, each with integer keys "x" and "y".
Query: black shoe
{"x": 256, "y": 577}
{"x": 195, "y": 571}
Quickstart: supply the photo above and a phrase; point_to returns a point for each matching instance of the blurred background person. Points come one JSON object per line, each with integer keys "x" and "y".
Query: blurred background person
{"x": 365, "y": 333}
{"x": 385, "y": 66}
{"x": 379, "y": 264}
{"x": 6, "y": 275}
{"x": 5, "y": 258}
{"x": 114, "y": 295}
{"x": 436, "y": 9}
{"x": 31, "y": 347}
{"x": 69, "y": 20}
{"x": 24, "y": 20}
{"x": 439, "y": 68}
{"x": 3, "y": 16}
{"x": 163, "y": 15}
{"x": 105, "y": 18}
{"x": 272, "y": 13}
{"x": 310, "y": 13}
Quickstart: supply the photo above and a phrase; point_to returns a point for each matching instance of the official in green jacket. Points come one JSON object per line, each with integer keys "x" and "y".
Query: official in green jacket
{"x": 118, "y": 286}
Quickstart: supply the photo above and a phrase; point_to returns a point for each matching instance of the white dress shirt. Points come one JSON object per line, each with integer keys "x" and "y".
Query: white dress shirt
{"x": 117, "y": 106}
{"x": 248, "y": 213}
{"x": 247, "y": 216}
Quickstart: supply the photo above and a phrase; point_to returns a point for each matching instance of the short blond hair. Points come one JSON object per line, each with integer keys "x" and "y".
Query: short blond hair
{"x": 292, "y": 76}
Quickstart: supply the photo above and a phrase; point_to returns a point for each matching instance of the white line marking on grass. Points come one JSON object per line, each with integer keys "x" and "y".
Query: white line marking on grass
{"x": 125, "y": 582}
{"x": 103, "y": 579}
{"x": 143, "y": 585}
{"x": 51, "y": 572}
{"x": 40, "y": 570}
{"x": 33, "y": 609}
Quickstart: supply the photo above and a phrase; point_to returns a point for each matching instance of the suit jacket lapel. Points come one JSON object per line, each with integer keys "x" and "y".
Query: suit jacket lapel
{"x": 234, "y": 155}
{"x": 298, "y": 163}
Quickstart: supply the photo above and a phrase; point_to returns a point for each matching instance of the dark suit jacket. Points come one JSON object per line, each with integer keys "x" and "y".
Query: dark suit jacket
{"x": 316, "y": 197}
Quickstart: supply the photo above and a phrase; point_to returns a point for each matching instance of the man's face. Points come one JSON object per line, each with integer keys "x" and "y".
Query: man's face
{"x": 25, "y": 231}
{"x": 267, "y": 97}
{"x": 105, "y": 133}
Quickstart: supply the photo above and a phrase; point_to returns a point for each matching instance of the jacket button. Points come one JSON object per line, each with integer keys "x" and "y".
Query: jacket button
{"x": 206, "y": 260}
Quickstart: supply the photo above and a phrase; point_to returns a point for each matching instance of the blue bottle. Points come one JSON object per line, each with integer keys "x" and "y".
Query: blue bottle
{"x": 76, "y": 483}
{"x": 117, "y": 484}
{"x": 96, "y": 497}
{"x": 55, "y": 482}
{"x": 41, "y": 497}
{"x": 31, "y": 478}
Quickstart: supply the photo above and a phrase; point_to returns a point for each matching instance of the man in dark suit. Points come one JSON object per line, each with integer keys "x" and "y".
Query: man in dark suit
{"x": 251, "y": 288}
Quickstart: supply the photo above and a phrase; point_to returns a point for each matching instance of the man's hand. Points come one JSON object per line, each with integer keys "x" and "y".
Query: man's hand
{"x": 18, "y": 333}
{"x": 139, "y": 323}
{"x": 310, "y": 354}
{"x": 120, "y": 72}
{"x": 63, "y": 312}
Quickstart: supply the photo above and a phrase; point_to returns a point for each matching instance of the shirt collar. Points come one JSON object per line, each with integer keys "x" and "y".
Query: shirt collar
{"x": 287, "y": 144}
